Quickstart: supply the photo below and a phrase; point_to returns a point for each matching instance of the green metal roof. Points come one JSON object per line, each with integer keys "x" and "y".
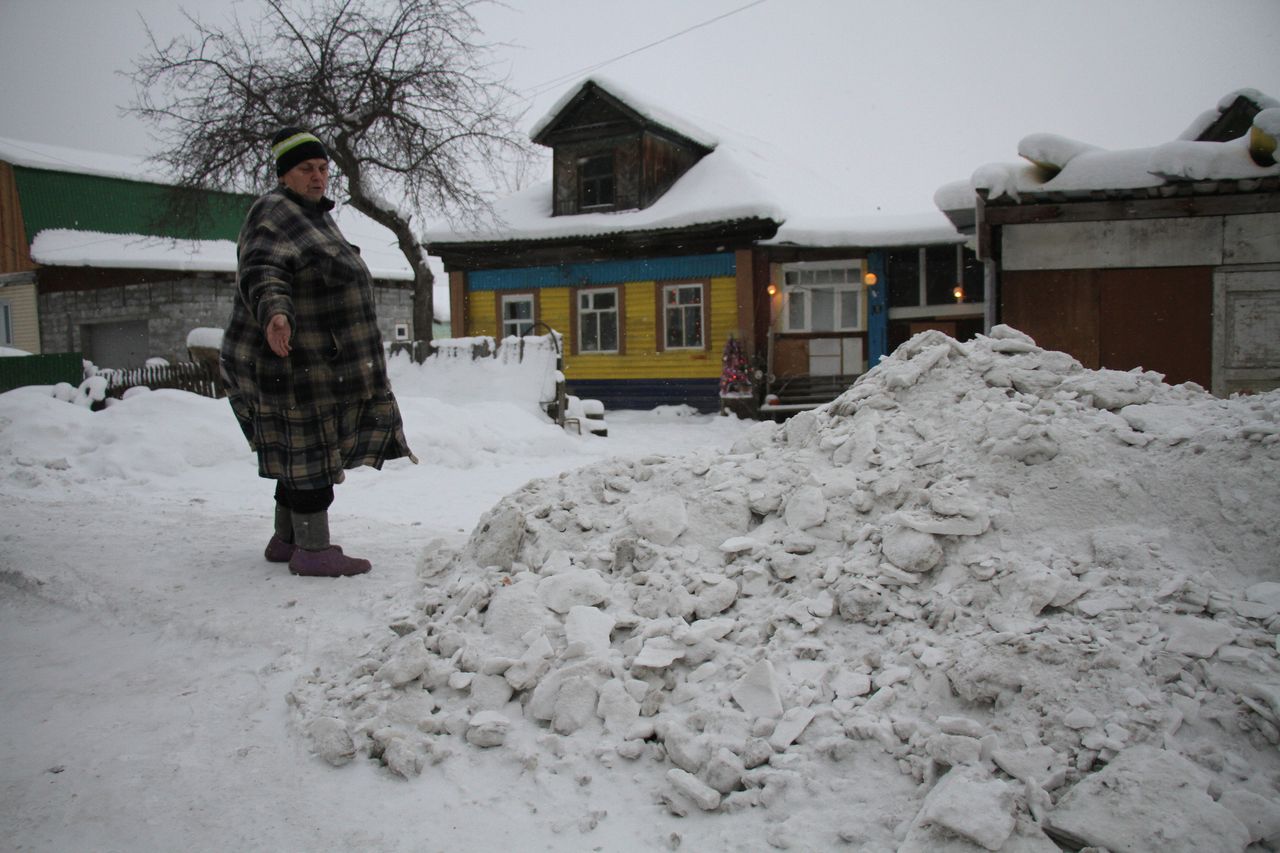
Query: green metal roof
{"x": 52, "y": 199}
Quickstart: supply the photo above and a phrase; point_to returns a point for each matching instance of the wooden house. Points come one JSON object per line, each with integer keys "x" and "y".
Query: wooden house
{"x": 655, "y": 241}
{"x": 1165, "y": 258}
{"x": 88, "y": 263}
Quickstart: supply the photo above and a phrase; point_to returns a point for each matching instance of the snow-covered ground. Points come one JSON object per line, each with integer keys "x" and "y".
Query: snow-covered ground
{"x": 985, "y": 598}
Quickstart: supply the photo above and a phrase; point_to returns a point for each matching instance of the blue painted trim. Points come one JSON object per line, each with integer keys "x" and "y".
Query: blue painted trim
{"x": 604, "y": 272}
{"x": 702, "y": 394}
{"x": 877, "y": 309}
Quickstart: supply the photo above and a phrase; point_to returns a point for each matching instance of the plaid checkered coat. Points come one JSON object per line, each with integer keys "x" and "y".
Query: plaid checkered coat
{"x": 328, "y": 405}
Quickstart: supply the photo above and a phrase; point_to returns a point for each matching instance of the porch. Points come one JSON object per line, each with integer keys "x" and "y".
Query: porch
{"x": 810, "y": 369}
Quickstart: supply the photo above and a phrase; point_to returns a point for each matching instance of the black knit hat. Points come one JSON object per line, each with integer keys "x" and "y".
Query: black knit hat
{"x": 291, "y": 145}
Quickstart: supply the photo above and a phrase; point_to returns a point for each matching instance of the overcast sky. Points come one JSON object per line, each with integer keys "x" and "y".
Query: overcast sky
{"x": 893, "y": 98}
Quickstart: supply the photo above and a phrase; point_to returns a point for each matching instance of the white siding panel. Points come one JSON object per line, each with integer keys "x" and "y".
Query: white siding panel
{"x": 1246, "y": 330}
{"x": 1186, "y": 242}
{"x": 1252, "y": 239}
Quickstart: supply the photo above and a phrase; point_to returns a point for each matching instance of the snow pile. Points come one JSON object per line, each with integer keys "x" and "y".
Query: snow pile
{"x": 985, "y": 599}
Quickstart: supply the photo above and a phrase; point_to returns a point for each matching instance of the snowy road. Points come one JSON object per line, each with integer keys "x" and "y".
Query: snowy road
{"x": 147, "y": 649}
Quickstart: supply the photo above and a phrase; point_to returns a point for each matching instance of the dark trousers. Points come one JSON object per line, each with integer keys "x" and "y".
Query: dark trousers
{"x": 304, "y": 501}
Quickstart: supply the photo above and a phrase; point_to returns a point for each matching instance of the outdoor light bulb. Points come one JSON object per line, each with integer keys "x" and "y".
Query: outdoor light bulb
{"x": 870, "y": 279}
{"x": 773, "y": 290}
{"x": 958, "y": 293}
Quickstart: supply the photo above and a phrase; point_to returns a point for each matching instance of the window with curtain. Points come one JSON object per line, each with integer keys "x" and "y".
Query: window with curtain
{"x": 598, "y": 320}
{"x": 682, "y": 316}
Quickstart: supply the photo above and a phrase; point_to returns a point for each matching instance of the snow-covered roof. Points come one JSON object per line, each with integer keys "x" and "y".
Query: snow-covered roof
{"x": 67, "y": 247}
{"x": 59, "y": 247}
{"x": 637, "y": 102}
{"x": 1058, "y": 164}
{"x": 899, "y": 229}
{"x": 38, "y": 155}
{"x": 742, "y": 178}
{"x": 62, "y": 247}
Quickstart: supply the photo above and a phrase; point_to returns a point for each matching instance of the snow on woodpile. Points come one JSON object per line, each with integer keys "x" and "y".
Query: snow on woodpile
{"x": 985, "y": 599}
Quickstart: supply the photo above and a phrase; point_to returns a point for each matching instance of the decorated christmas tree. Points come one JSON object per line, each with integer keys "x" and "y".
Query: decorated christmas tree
{"x": 735, "y": 372}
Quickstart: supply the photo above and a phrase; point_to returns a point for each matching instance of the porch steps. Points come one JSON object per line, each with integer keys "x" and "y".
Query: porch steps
{"x": 797, "y": 393}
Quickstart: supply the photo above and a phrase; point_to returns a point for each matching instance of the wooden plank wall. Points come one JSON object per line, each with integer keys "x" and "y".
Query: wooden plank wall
{"x": 1058, "y": 308}
{"x": 15, "y": 249}
{"x": 1156, "y": 318}
{"x": 1159, "y": 319}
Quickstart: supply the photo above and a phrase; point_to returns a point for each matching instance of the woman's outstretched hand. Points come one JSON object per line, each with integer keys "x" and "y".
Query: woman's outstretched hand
{"x": 278, "y": 335}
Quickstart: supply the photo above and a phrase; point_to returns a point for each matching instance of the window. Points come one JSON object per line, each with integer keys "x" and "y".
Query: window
{"x": 823, "y": 297}
{"x": 6, "y": 324}
{"x": 517, "y": 315}
{"x": 941, "y": 277}
{"x": 975, "y": 288}
{"x": 595, "y": 181}
{"x": 682, "y": 316}
{"x": 931, "y": 276}
{"x": 598, "y": 320}
{"x": 903, "y": 273}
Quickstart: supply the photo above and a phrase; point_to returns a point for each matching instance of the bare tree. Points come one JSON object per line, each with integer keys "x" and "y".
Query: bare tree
{"x": 398, "y": 89}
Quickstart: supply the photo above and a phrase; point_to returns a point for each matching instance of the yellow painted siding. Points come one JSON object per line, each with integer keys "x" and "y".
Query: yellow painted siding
{"x": 482, "y": 313}
{"x": 553, "y": 309}
{"x": 23, "y": 315}
{"x": 642, "y": 359}
{"x": 640, "y": 328}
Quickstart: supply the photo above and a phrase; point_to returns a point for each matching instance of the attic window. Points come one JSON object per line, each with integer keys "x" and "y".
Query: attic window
{"x": 595, "y": 181}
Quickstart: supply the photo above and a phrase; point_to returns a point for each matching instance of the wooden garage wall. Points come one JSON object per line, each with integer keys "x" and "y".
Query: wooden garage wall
{"x": 1157, "y": 318}
{"x": 15, "y": 255}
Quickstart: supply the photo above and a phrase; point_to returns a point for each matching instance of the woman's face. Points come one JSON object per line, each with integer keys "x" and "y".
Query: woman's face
{"x": 309, "y": 179}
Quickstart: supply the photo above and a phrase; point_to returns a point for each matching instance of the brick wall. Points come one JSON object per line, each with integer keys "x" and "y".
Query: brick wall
{"x": 171, "y": 310}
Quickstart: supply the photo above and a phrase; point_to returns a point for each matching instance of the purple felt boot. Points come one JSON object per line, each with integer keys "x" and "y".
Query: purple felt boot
{"x": 281, "y": 546}
{"x": 278, "y": 550}
{"x": 313, "y": 556}
{"x": 329, "y": 563}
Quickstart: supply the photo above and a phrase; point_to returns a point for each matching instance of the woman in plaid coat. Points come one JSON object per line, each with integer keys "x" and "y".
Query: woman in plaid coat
{"x": 302, "y": 358}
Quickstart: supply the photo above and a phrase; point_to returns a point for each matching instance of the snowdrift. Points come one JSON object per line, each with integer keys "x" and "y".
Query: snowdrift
{"x": 985, "y": 600}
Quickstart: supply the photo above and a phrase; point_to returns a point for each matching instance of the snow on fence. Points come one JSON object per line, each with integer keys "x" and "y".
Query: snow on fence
{"x": 197, "y": 377}
{"x": 526, "y": 370}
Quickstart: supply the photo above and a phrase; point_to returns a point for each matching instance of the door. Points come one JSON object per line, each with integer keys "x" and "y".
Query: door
{"x": 119, "y": 345}
{"x": 1246, "y": 330}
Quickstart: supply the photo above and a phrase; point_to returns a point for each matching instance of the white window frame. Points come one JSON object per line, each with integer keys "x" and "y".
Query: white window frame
{"x": 615, "y": 310}
{"x": 846, "y": 290}
{"x": 6, "y": 323}
{"x": 530, "y": 322}
{"x": 702, "y": 314}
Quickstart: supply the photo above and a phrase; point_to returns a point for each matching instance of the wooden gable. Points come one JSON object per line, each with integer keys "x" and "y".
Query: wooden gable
{"x": 1231, "y": 123}
{"x": 592, "y": 114}
{"x": 647, "y": 157}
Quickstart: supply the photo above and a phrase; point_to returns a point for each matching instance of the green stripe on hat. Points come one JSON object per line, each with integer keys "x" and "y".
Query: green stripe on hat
{"x": 280, "y": 148}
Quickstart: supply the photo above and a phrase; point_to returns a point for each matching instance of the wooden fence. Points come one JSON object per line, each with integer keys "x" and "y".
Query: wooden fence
{"x": 197, "y": 377}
